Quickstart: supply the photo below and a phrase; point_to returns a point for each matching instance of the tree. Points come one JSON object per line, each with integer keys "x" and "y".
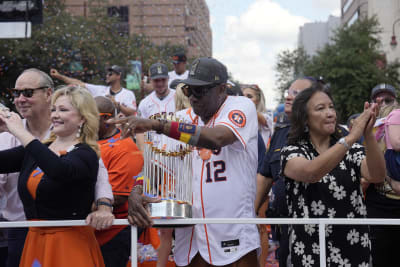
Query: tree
{"x": 290, "y": 64}
{"x": 81, "y": 47}
{"x": 353, "y": 65}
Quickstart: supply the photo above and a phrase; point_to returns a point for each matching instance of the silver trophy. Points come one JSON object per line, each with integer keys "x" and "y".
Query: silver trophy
{"x": 167, "y": 175}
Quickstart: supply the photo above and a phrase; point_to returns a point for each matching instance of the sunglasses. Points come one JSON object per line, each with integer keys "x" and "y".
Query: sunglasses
{"x": 293, "y": 93}
{"x": 387, "y": 100}
{"x": 27, "y": 92}
{"x": 105, "y": 115}
{"x": 197, "y": 91}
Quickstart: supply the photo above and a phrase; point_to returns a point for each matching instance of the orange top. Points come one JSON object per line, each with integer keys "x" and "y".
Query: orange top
{"x": 123, "y": 161}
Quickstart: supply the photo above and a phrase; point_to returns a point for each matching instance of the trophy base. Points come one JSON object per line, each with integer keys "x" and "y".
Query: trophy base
{"x": 169, "y": 209}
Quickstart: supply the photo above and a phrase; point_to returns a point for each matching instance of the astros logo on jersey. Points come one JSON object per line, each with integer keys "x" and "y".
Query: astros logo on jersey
{"x": 238, "y": 118}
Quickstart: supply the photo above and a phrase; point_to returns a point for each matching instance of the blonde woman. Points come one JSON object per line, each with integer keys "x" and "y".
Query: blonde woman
{"x": 57, "y": 180}
{"x": 265, "y": 121}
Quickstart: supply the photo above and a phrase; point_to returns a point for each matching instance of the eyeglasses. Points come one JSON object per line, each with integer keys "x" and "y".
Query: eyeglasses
{"x": 27, "y": 92}
{"x": 110, "y": 73}
{"x": 293, "y": 93}
{"x": 197, "y": 91}
{"x": 386, "y": 100}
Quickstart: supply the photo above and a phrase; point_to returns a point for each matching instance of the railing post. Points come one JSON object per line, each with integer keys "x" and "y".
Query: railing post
{"x": 133, "y": 246}
{"x": 322, "y": 245}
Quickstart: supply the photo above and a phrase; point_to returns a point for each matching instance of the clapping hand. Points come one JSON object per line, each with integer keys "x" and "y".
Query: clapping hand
{"x": 10, "y": 121}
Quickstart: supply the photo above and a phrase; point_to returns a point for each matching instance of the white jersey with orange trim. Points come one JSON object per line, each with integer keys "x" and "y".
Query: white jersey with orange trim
{"x": 224, "y": 186}
{"x": 155, "y": 108}
{"x": 151, "y": 105}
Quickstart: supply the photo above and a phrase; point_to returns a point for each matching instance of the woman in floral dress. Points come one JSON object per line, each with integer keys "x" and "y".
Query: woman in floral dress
{"x": 322, "y": 173}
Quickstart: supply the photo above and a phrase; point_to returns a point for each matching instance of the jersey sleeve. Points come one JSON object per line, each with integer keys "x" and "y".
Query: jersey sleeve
{"x": 241, "y": 118}
{"x": 129, "y": 100}
{"x": 141, "y": 110}
{"x": 96, "y": 90}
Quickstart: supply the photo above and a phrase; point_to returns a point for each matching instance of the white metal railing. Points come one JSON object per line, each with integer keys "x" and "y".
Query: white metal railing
{"x": 321, "y": 222}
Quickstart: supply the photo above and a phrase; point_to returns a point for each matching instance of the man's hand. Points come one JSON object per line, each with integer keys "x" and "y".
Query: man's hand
{"x": 101, "y": 219}
{"x": 137, "y": 212}
{"x": 132, "y": 124}
{"x": 55, "y": 74}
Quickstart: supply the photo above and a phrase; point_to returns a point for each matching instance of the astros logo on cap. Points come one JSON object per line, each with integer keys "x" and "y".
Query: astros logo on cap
{"x": 194, "y": 67}
{"x": 238, "y": 118}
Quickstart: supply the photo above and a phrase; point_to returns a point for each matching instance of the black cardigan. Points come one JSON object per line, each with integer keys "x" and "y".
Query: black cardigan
{"x": 66, "y": 190}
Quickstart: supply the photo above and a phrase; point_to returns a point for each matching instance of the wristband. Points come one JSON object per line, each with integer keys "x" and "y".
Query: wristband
{"x": 138, "y": 182}
{"x": 194, "y": 139}
{"x": 103, "y": 203}
{"x": 174, "y": 130}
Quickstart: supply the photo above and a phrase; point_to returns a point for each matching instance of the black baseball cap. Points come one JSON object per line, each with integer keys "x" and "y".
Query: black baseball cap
{"x": 175, "y": 83}
{"x": 115, "y": 68}
{"x": 383, "y": 88}
{"x": 179, "y": 57}
{"x": 158, "y": 70}
{"x": 206, "y": 71}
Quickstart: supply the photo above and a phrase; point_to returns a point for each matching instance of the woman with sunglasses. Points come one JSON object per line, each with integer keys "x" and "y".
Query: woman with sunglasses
{"x": 265, "y": 122}
{"x": 57, "y": 180}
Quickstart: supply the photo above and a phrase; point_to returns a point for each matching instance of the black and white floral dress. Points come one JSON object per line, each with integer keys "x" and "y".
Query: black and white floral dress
{"x": 337, "y": 195}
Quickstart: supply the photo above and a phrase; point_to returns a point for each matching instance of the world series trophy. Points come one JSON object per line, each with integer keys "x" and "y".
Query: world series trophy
{"x": 167, "y": 175}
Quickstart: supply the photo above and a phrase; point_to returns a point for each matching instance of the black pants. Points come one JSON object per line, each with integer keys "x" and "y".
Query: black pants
{"x": 16, "y": 241}
{"x": 283, "y": 250}
{"x": 385, "y": 245}
{"x": 116, "y": 252}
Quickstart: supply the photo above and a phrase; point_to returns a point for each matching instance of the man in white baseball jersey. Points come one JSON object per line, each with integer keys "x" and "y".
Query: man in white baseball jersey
{"x": 161, "y": 101}
{"x": 180, "y": 72}
{"x": 224, "y": 130}
{"x": 159, "y": 104}
{"x": 124, "y": 99}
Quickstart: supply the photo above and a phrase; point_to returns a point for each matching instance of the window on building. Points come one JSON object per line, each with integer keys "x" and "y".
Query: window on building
{"x": 353, "y": 18}
{"x": 347, "y": 5}
{"x": 17, "y": 10}
{"x": 120, "y": 12}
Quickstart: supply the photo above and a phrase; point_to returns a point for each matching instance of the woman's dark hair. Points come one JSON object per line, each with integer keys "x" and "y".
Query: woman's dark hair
{"x": 299, "y": 116}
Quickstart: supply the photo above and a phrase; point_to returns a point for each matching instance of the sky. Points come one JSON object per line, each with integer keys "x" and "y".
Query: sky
{"x": 249, "y": 34}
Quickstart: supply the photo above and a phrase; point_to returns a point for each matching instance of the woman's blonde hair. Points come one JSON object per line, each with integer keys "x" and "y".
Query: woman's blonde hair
{"x": 181, "y": 101}
{"x": 83, "y": 101}
{"x": 261, "y": 99}
{"x": 383, "y": 112}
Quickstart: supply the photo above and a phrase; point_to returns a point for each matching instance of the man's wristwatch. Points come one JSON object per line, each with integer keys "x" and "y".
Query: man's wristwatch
{"x": 103, "y": 203}
{"x": 342, "y": 141}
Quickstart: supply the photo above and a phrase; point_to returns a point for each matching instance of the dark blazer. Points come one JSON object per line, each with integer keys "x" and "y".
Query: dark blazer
{"x": 66, "y": 190}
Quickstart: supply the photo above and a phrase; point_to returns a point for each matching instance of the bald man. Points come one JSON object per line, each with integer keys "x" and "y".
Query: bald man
{"x": 124, "y": 162}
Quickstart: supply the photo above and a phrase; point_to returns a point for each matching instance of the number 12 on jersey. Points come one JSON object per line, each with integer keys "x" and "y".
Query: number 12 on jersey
{"x": 215, "y": 171}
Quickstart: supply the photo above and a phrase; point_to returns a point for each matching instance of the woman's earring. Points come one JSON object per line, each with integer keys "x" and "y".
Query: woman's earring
{"x": 78, "y": 134}
{"x": 306, "y": 129}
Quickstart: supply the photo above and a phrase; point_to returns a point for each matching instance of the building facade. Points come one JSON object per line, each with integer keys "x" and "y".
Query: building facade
{"x": 315, "y": 35}
{"x": 180, "y": 22}
{"x": 388, "y": 14}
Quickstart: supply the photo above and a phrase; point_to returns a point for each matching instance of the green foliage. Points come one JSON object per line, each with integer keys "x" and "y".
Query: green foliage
{"x": 290, "y": 65}
{"x": 352, "y": 65}
{"x": 78, "y": 46}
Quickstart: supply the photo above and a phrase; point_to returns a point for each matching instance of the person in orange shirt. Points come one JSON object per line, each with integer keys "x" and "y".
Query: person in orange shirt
{"x": 123, "y": 161}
